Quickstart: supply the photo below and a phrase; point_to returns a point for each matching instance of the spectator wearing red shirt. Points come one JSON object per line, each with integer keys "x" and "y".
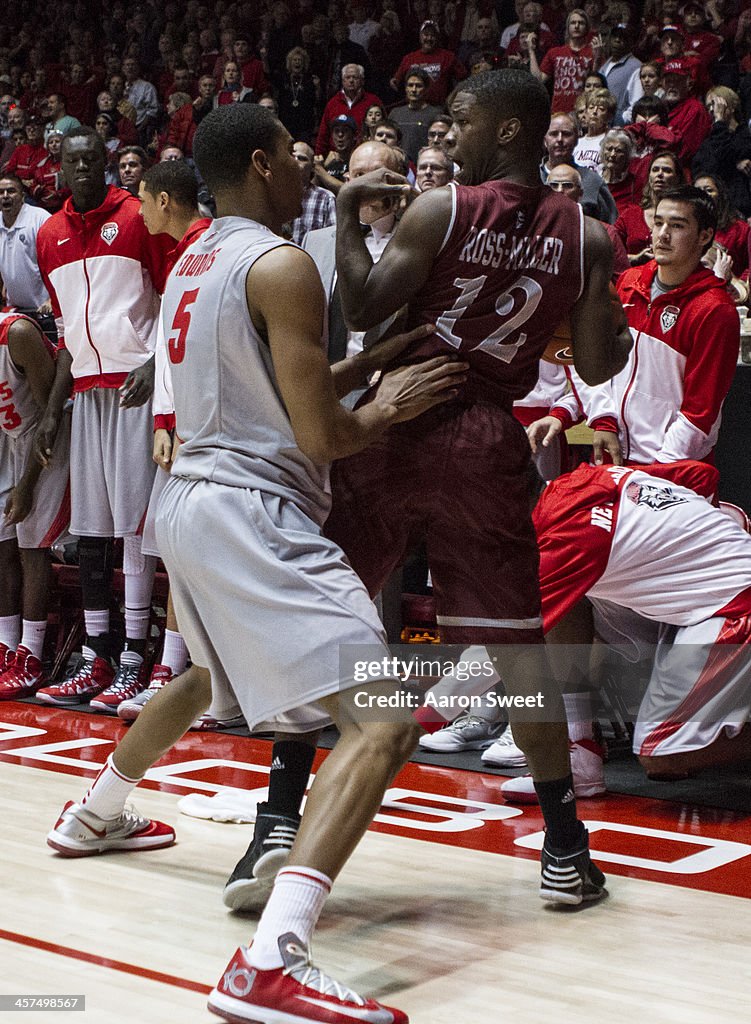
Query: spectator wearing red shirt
{"x": 616, "y": 151}
{"x": 650, "y": 134}
{"x": 442, "y": 66}
{"x": 182, "y": 124}
{"x": 567, "y": 66}
{"x": 80, "y": 94}
{"x": 48, "y": 188}
{"x": 696, "y": 39}
{"x": 25, "y": 158}
{"x": 531, "y": 21}
{"x": 687, "y": 116}
{"x": 251, "y": 68}
{"x": 636, "y": 222}
{"x": 351, "y": 100}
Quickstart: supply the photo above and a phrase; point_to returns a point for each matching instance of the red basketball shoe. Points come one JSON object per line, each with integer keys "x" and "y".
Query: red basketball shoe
{"x": 297, "y": 992}
{"x": 6, "y": 657}
{"x": 23, "y": 677}
{"x": 79, "y": 833}
{"x": 90, "y": 678}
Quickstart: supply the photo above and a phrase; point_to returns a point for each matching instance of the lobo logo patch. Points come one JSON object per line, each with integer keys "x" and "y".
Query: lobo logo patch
{"x": 109, "y": 232}
{"x": 669, "y": 317}
{"x": 653, "y": 496}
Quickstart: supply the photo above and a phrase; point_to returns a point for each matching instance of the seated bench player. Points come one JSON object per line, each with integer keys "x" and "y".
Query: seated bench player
{"x": 34, "y": 498}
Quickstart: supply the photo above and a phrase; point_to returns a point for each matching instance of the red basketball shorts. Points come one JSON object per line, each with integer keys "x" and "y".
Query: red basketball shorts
{"x": 457, "y": 479}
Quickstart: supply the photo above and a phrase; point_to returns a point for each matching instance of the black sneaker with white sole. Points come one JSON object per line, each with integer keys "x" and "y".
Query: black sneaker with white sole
{"x": 252, "y": 880}
{"x": 570, "y": 877}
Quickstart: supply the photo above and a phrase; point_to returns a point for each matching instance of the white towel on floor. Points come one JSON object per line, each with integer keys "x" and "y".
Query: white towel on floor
{"x": 238, "y": 805}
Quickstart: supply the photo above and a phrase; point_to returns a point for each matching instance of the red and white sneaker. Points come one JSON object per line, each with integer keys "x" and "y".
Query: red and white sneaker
{"x": 132, "y": 707}
{"x": 79, "y": 833}
{"x": 6, "y": 657}
{"x": 587, "y": 759}
{"x": 23, "y": 677}
{"x": 297, "y": 993}
{"x": 90, "y": 679}
{"x": 129, "y": 681}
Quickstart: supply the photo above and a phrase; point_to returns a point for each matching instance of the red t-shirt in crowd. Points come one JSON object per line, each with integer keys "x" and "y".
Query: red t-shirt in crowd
{"x": 568, "y": 68}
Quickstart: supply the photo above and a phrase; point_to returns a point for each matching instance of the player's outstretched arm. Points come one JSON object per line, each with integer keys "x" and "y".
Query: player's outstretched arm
{"x": 371, "y": 292}
{"x": 355, "y": 371}
{"x": 291, "y": 318}
{"x": 601, "y": 341}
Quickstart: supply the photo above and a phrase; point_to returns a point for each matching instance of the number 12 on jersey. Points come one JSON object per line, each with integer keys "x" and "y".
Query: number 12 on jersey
{"x": 493, "y": 344}
{"x": 181, "y": 324}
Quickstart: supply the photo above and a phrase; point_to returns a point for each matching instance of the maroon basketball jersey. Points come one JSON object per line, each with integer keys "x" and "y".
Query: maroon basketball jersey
{"x": 509, "y": 270}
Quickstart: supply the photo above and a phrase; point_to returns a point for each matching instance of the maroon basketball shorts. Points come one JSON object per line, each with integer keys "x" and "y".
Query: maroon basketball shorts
{"x": 457, "y": 479}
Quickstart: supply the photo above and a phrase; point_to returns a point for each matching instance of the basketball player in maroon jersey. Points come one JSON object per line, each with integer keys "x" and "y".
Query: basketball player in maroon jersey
{"x": 495, "y": 263}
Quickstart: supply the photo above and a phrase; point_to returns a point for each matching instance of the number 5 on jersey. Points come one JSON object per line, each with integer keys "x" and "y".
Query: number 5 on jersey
{"x": 181, "y": 324}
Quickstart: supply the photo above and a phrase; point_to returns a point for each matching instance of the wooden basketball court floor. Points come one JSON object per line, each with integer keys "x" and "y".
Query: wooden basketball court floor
{"x": 437, "y": 912}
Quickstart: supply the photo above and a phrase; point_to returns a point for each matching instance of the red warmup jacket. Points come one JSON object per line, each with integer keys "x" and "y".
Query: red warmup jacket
{"x": 668, "y": 398}
{"x": 103, "y": 272}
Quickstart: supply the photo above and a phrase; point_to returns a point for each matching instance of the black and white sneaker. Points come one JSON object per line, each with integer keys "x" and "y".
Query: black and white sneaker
{"x": 570, "y": 877}
{"x": 252, "y": 880}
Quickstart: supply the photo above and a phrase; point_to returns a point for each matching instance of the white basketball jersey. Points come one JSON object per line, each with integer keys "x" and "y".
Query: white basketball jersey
{"x": 674, "y": 557}
{"x": 18, "y": 410}
{"x": 229, "y": 413}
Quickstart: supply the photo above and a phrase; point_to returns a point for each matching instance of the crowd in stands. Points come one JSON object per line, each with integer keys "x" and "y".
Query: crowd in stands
{"x": 631, "y": 83}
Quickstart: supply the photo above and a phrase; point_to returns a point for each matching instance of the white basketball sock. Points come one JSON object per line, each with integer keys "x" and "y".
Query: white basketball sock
{"x": 138, "y": 570}
{"x": 97, "y": 621}
{"x": 108, "y": 792}
{"x": 175, "y": 652}
{"x": 295, "y": 904}
{"x": 10, "y": 631}
{"x": 579, "y": 714}
{"x": 33, "y": 636}
{"x": 137, "y": 622}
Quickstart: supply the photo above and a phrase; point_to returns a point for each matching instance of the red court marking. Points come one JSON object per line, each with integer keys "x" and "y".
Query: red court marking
{"x": 658, "y": 858}
{"x": 103, "y": 961}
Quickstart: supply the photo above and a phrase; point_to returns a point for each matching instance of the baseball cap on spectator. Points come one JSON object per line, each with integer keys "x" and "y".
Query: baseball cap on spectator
{"x": 671, "y": 28}
{"x": 677, "y": 67}
{"x": 429, "y": 24}
{"x": 343, "y": 121}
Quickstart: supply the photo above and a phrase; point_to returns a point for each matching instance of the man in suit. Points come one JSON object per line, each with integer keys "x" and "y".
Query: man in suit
{"x": 379, "y": 218}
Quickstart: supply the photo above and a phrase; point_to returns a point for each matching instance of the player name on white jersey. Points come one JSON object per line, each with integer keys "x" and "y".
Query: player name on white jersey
{"x": 192, "y": 264}
{"x": 512, "y": 252}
